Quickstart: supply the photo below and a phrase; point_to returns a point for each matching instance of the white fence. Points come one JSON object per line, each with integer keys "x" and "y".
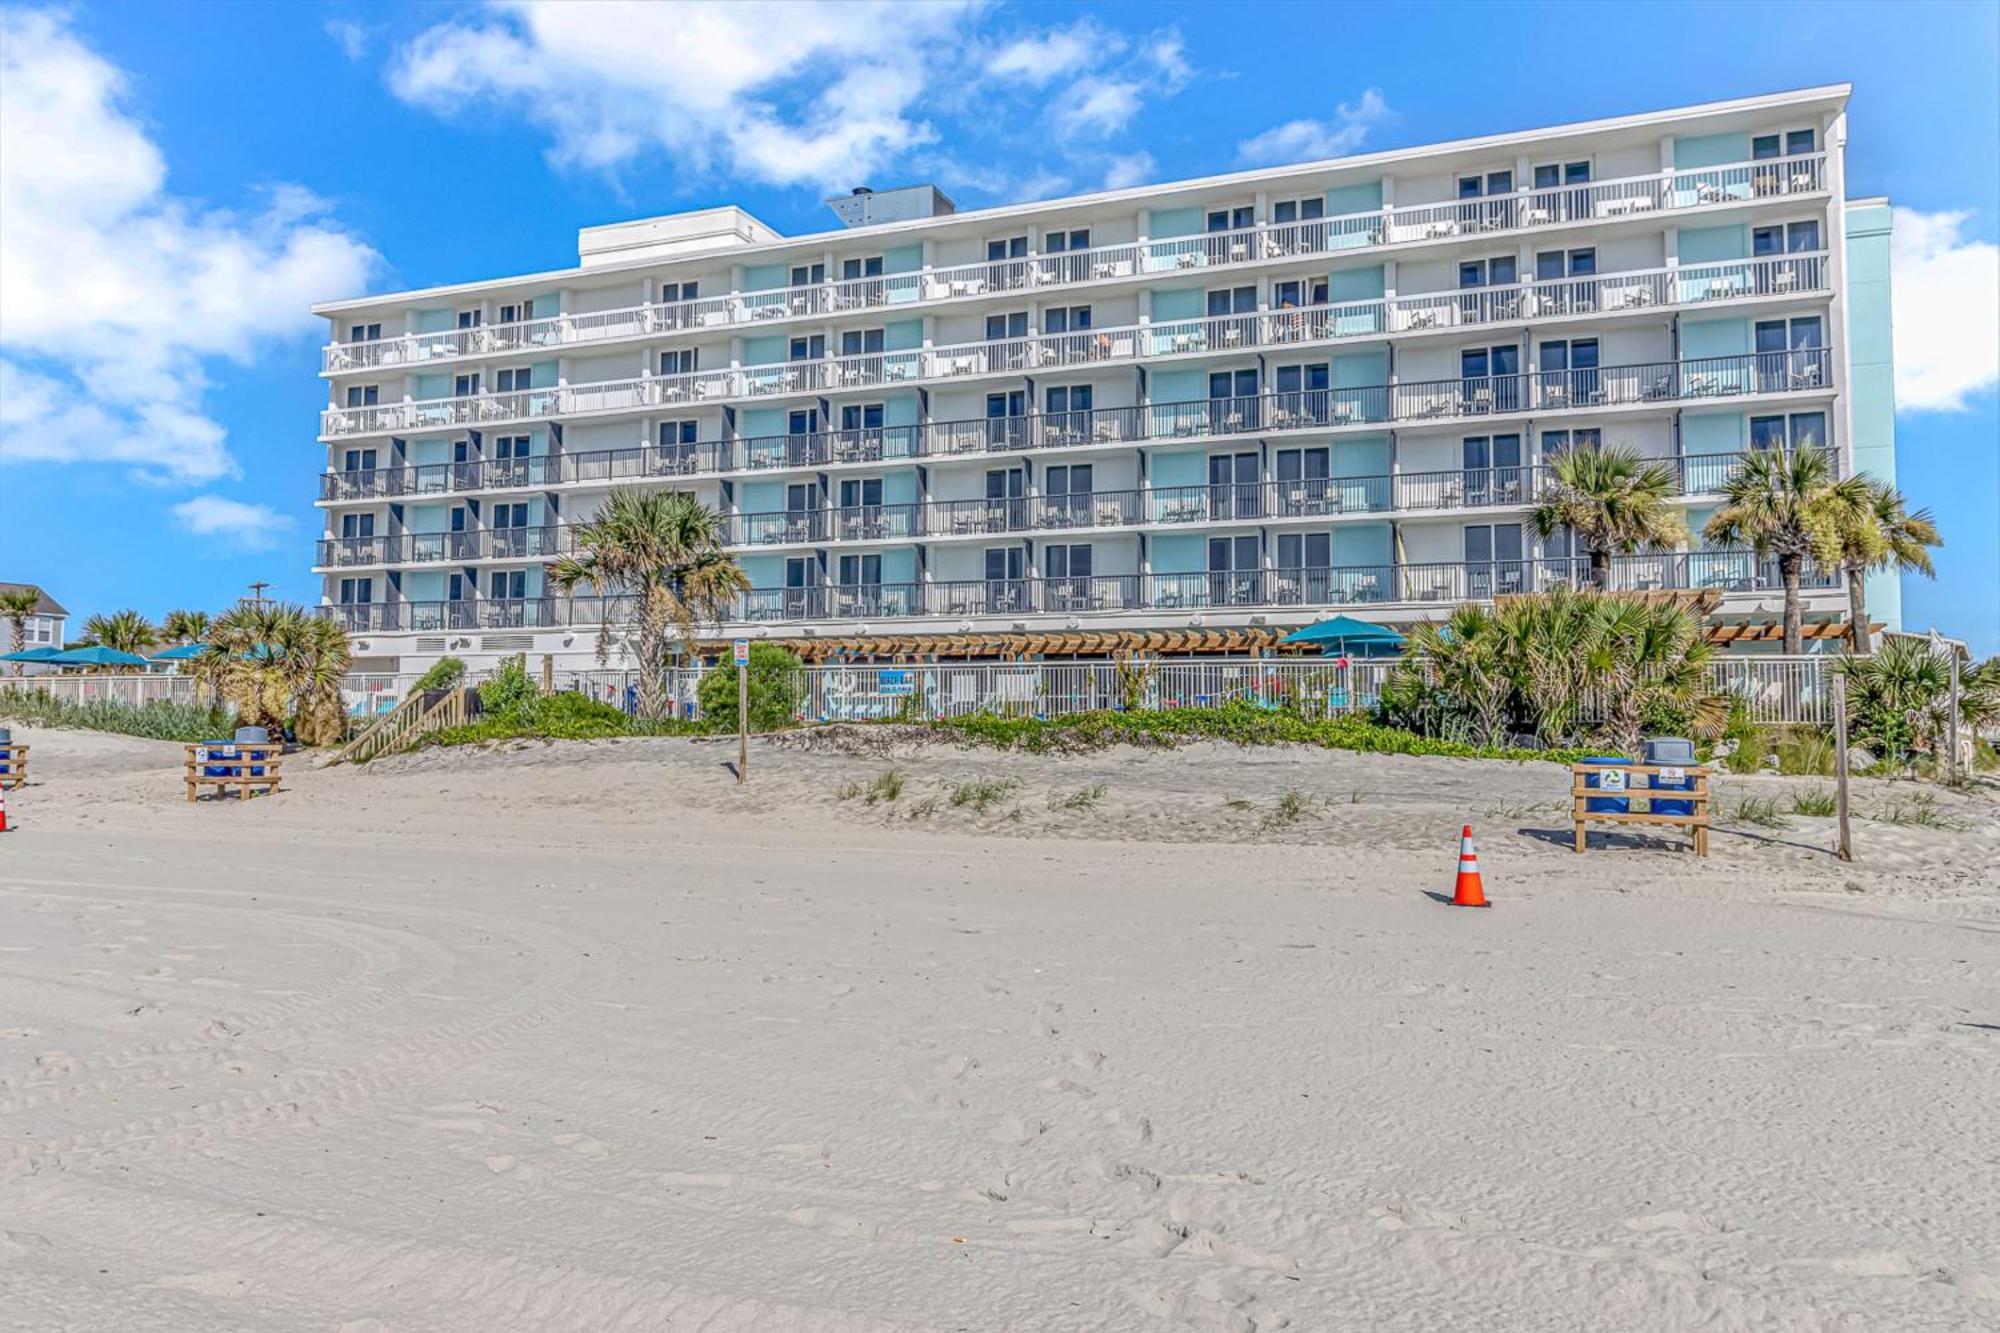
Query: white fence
{"x": 1775, "y": 689}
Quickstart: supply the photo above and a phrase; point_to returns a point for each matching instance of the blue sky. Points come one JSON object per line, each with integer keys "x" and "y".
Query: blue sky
{"x": 156, "y": 428}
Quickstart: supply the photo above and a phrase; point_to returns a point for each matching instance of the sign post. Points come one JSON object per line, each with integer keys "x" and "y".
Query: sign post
{"x": 742, "y": 711}
{"x": 1846, "y": 849}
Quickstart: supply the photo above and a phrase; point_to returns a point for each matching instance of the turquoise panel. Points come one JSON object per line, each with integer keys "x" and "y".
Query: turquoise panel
{"x": 1713, "y": 432}
{"x": 1363, "y": 456}
{"x": 1710, "y": 150}
{"x": 425, "y": 518}
{"x": 424, "y": 585}
{"x": 900, "y": 410}
{"x": 765, "y": 351}
{"x": 1178, "y": 386}
{"x": 902, "y": 335}
{"x": 760, "y": 497}
{"x": 538, "y": 512}
{"x": 1714, "y": 337}
{"x": 1176, "y": 222}
{"x": 765, "y": 571}
{"x": 1363, "y": 198}
{"x": 1871, "y": 380}
{"x": 1360, "y": 370}
{"x": 1179, "y": 303}
{"x": 1356, "y": 284}
{"x": 545, "y": 305}
{"x": 535, "y": 581}
{"x": 760, "y": 421}
{"x": 1709, "y": 245}
{"x": 436, "y": 321}
{"x": 899, "y": 565}
{"x": 546, "y": 373}
{"x": 424, "y": 453}
{"x": 899, "y": 487}
{"x": 763, "y": 277}
{"x": 433, "y": 386}
{"x": 1177, "y": 469}
{"x": 1180, "y": 553}
{"x": 1362, "y": 544}
{"x": 903, "y": 259}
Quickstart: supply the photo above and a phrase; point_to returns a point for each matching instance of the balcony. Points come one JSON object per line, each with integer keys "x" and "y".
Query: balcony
{"x": 1312, "y": 326}
{"x": 420, "y": 548}
{"x": 1527, "y": 210}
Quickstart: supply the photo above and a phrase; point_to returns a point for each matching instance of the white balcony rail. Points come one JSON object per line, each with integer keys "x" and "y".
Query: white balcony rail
{"x": 1680, "y": 287}
{"x": 1526, "y": 209}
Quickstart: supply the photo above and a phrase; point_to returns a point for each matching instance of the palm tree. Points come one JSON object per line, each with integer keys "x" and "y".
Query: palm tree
{"x": 1782, "y": 504}
{"x": 184, "y": 626}
{"x": 17, "y": 604}
{"x": 1549, "y": 636}
{"x": 1877, "y": 531}
{"x": 276, "y": 664}
{"x": 1467, "y": 660}
{"x": 1648, "y": 658}
{"x": 661, "y": 552}
{"x": 1613, "y": 499}
{"x": 126, "y": 631}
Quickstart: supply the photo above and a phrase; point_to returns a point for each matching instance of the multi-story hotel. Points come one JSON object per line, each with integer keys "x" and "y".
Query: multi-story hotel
{"x": 1224, "y": 405}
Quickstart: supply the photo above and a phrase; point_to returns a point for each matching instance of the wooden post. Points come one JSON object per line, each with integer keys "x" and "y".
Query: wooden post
{"x": 1846, "y": 848}
{"x": 1951, "y": 719}
{"x": 548, "y": 673}
{"x": 742, "y": 723}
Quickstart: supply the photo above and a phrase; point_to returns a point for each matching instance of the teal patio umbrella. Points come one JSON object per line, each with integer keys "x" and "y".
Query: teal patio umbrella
{"x": 41, "y": 654}
{"x": 95, "y": 655}
{"x": 183, "y": 652}
{"x": 1345, "y": 634}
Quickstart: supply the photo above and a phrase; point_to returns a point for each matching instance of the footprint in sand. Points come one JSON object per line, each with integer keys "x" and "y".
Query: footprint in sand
{"x": 1688, "y": 1224}
{"x": 1087, "y": 1058}
{"x": 56, "y": 1062}
{"x": 957, "y": 1066}
{"x": 1019, "y": 1131}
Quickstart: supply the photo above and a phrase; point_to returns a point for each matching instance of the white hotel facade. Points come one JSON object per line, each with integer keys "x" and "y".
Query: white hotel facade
{"x": 1249, "y": 400}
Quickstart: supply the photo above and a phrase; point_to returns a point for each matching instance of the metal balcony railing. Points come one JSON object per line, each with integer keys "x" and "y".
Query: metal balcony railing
{"x": 1677, "y": 288}
{"x": 1526, "y": 210}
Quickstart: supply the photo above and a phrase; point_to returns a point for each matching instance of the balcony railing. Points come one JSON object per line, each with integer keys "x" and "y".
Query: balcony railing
{"x": 418, "y": 548}
{"x": 1526, "y": 210}
{"x": 1662, "y": 382}
{"x": 1682, "y": 287}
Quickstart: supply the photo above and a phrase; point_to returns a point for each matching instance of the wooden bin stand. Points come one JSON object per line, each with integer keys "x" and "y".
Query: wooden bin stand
{"x": 237, "y": 768}
{"x": 1695, "y": 822}
{"x": 13, "y": 764}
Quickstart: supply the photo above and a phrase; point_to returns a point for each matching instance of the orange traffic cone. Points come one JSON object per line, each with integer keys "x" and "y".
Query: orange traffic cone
{"x": 1471, "y": 892}
{"x": 3, "y": 809}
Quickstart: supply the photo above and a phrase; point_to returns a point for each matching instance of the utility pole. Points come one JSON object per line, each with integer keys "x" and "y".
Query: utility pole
{"x": 1949, "y": 647}
{"x": 257, "y": 597}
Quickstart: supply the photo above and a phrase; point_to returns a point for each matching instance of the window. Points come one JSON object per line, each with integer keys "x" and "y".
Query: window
{"x": 1232, "y": 301}
{"x": 1475, "y": 186}
{"x": 679, "y": 361}
{"x": 1309, "y": 209}
{"x": 1069, "y": 398}
{"x": 1305, "y": 550}
{"x": 810, "y": 347}
{"x": 1066, "y": 319}
{"x": 1008, "y": 483}
{"x": 1068, "y": 566}
{"x": 364, "y": 333}
{"x": 870, "y": 267}
{"x": 1555, "y": 440}
{"x": 359, "y": 460}
{"x": 356, "y": 527}
{"x": 861, "y": 342}
{"x": 1799, "y": 430}
{"x": 515, "y": 313}
{"x": 1489, "y": 378}
{"x": 808, "y": 275}
{"x": 1295, "y": 380}
{"x": 1067, "y": 491}
{"x": 1011, "y": 404}
{"x": 1012, "y": 247}
{"x": 1230, "y": 384}
{"x": 1003, "y": 418}
{"x": 1569, "y": 372}
{"x": 471, "y": 319}
{"x": 1790, "y": 353}
{"x": 1058, "y": 242}
{"x": 511, "y": 381}
{"x": 800, "y": 498}
{"x": 1790, "y": 143}
{"x": 509, "y": 585}
{"x": 1499, "y": 271}
{"x": 1223, "y": 248}
{"x": 1233, "y": 564}
{"x": 676, "y": 433}
{"x": 679, "y": 291}
{"x": 856, "y": 492}
{"x": 1302, "y": 476}
{"x": 1231, "y": 219}
{"x": 1293, "y": 293}
{"x": 1788, "y": 238}
{"x": 464, "y": 386}
{"x": 857, "y": 571}
{"x": 1493, "y": 559}
{"x": 1003, "y": 564}
{"x": 1000, "y": 327}
{"x": 861, "y": 416}
{"x": 357, "y": 592}
{"x": 1492, "y": 469}
{"x": 1549, "y": 175}
{"x": 363, "y": 395}
{"x": 802, "y": 421}
{"x": 1553, "y": 264}
{"x": 1233, "y": 485}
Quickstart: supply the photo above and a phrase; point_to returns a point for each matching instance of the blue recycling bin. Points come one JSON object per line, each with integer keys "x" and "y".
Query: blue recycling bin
{"x": 212, "y": 750}
{"x": 1671, "y": 751}
{"x": 1605, "y": 805}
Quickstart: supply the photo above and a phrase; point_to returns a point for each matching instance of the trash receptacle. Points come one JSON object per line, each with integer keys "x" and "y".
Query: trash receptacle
{"x": 1618, "y": 782}
{"x": 1677, "y": 752}
{"x": 211, "y": 753}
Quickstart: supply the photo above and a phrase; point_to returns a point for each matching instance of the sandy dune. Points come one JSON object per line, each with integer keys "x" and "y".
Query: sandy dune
{"x": 586, "y": 1037}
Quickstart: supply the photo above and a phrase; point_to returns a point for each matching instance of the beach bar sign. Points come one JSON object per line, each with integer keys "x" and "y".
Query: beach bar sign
{"x": 742, "y": 652}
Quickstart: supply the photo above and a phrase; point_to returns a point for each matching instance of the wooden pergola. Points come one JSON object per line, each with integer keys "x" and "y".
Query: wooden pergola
{"x": 1027, "y": 644}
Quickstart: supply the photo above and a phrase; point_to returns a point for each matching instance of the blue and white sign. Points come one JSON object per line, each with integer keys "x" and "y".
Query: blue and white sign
{"x": 895, "y": 682}
{"x": 743, "y": 652}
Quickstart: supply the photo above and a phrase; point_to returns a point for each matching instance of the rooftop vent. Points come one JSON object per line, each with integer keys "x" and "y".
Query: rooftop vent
{"x": 864, "y": 207}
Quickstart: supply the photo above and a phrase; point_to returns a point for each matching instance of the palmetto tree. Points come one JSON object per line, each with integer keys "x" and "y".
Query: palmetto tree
{"x": 1649, "y": 656}
{"x": 1613, "y": 499}
{"x": 1468, "y": 660}
{"x": 17, "y": 604}
{"x": 276, "y": 664}
{"x": 1878, "y": 531}
{"x": 662, "y": 553}
{"x": 1783, "y": 505}
{"x": 184, "y": 626}
{"x": 126, "y": 631}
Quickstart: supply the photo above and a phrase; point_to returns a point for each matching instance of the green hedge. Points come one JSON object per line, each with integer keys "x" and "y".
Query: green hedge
{"x": 154, "y": 721}
{"x": 560, "y": 717}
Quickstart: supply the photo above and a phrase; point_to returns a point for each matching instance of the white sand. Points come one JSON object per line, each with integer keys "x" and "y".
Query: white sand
{"x": 584, "y": 1037}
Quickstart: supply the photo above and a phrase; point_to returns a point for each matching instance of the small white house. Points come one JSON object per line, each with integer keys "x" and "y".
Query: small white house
{"x": 43, "y": 629}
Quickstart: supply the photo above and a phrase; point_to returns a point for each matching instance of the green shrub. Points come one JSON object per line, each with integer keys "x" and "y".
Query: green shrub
{"x": 154, "y": 721}
{"x": 1759, "y": 810}
{"x": 510, "y": 690}
{"x": 1751, "y": 750}
{"x": 979, "y": 797}
{"x": 1289, "y": 810}
{"x": 1083, "y": 798}
{"x": 564, "y": 716}
{"x": 447, "y": 673}
{"x": 777, "y": 689}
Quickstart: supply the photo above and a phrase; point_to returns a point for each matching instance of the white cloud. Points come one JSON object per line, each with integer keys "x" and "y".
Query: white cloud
{"x": 1129, "y": 170}
{"x": 1944, "y": 288}
{"x": 1310, "y": 140}
{"x": 248, "y": 527}
{"x": 1099, "y": 107}
{"x": 118, "y": 293}
{"x": 351, "y": 37}
{"x": 1037, "y": 61}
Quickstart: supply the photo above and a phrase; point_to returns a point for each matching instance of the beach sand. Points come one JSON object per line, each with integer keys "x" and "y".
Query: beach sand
{"x": 585, "y": 1036}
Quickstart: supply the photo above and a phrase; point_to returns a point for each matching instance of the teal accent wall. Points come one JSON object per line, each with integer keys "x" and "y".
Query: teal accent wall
{"x": 899, "y": 565}
{"x": 903, "y": 259}
{"x": 436, "y": 321}
{"x": 545, "y": 374}
{"x": 545, "y": 305}
{"x": 1709, "y": 245}
{"x": 1363, "y": 198}
{"x": 1714, "y": 432}
{"x": 424, "y": 585}
{"x": 756, "y": 422}
{"x": 1714, "y": 337}
{"x": 424, "y": 453}
{"x": 763, "y": 277}
{"x": 1363, "y": 456}
{"x": 425, "y": 518}
{"x": 1178, "y": 386}
{"x": 900, "y": 410}
{"x": 1710, "y": 150}
{"x": 1174, "y": 303}
{"x": 765, "y": 351}
{"x": 1356, "y": 284}
{"x": 899, "y": 488}
{"x": 903, "y": 335}
{"x": 1362, "y": 544}
{"x": 1871, "y": 379}
{"x": 760, "y": 497}
{"x": 1182, "y": 468}
{"x": 765, "y": 571}
{"x": 433, "y": 386}
{"x": 1360, "y": 370}
{"x": 1180, "y": 553}
{"x": 1176, "y": 222}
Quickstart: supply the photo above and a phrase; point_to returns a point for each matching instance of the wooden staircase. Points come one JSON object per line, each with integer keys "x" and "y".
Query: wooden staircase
{"x": 403, "y": 726}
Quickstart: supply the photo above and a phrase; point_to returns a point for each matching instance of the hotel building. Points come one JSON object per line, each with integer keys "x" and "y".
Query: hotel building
{"x": 1219, "y": 407}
